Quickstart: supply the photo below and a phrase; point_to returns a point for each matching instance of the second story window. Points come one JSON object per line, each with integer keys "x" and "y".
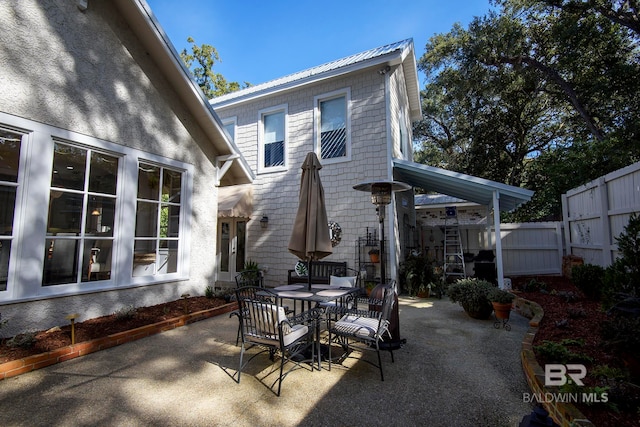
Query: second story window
{"x": 272, "y": 147}
{"x": 333, "y": 126}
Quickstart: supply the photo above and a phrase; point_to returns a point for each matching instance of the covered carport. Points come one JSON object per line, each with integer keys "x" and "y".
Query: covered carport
{"x": 496, "y": 196}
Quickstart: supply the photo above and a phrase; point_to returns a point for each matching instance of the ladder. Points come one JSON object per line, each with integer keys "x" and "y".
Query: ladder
{"x": 453, "y": 256}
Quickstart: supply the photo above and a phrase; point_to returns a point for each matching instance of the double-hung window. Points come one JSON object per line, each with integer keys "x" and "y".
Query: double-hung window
{"x": 272, "y": 140}
{"x": 332, "y": 126}
{"x": 158, "y": 215}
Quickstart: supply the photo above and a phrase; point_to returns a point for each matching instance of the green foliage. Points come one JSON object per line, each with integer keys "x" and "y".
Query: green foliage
{"x": 472, "y": 295}
{"x": 500, "y": 296}
{"x": 622, "y": 334}
{"x": 554, "y": 352}
{"x": 200, "y": 63}
{"x": 209, "y": 292}
{"x": 250, "y": 265}
{"x": 24, "y": 340}
{"x": 126, "y": 312}
{"x": 589, "y": 278}
{"x": 534, "y": 285}
{"x": 416, "y": 273}
{"x": 629, "y": 245}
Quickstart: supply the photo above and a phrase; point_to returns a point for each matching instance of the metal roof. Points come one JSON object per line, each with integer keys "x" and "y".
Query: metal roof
{"x": 401, "y": 52}
{"x": 466, "y": 187}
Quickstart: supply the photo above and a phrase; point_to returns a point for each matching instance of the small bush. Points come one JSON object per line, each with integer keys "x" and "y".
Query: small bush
{"x": 589, "y": 278}
{"x": 208, "y": 292}
{"x": 534, "y": 285}
{"x": 126, "y": 312}
{"x": 24, "y": 340}
{"x": 558, "y": 352}
{"x": 472, "y": 295}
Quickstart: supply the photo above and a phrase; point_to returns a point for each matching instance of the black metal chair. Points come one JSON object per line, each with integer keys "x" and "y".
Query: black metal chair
{"x": 263, "y": 323}
{"x": 364, "y": 329}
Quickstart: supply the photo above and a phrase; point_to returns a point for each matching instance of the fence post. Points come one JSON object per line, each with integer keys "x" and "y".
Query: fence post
{"x": 606, "y": 223}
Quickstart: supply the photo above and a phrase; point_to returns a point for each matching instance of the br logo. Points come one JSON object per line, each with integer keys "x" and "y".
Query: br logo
{"x": 555, "y": 374}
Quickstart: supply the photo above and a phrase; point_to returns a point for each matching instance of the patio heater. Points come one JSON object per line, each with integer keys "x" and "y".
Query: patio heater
{"x": 381, "y": 192}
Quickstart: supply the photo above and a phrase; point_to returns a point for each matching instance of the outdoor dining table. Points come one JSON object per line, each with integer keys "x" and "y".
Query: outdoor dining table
{"x": 318, "y": 294}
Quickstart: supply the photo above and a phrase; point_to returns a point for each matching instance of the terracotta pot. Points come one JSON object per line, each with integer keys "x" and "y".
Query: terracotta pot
{"x": 375, "y": 258}
{"x": 424, "y": 294}
{"x": 502, "y": 310}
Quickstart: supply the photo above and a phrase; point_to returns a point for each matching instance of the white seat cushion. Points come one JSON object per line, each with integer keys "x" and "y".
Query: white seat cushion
{"x": 358, "y": 326}
{"x": 342, "y": 282}
{"x": 297, "y": 332}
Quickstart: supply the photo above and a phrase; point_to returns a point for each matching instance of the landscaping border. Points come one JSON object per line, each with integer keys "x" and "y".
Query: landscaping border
{"x": 37, "y": 361}
{"x": 565, "y": 414}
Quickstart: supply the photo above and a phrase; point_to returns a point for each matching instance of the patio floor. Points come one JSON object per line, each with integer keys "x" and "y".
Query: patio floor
{"x": 453, "y": 371}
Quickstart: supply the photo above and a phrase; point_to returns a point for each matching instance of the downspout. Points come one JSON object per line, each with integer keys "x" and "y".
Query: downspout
{"x": 391, "y": 218}
{"x": 498, "y": 237}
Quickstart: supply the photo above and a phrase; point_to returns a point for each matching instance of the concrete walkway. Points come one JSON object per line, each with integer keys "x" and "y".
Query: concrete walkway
{"x": 453, "y": 371}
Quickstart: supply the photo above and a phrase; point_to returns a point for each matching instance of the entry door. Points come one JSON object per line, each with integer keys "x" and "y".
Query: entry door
{"x": 232, "y": 243}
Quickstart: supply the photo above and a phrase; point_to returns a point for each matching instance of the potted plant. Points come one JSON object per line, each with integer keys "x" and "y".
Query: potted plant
{"x": 501, "y": 301}
{"x": 374, "y": 254}
{"x": 472, "y": 295}
{"x": 416, "y": 274}
{"x": 424, "y": 291}
{"x": 369, "y": 285}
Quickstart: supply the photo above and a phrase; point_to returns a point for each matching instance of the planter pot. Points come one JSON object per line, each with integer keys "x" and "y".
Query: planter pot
{"x": 424, "y": 294}
{"x": 480, "y": 314}
{"x": 375, "y": 258}
{"x": 502, "y": 310}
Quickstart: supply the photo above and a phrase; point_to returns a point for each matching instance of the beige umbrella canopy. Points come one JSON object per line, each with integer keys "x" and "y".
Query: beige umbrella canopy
{"x": 310, "y": 238}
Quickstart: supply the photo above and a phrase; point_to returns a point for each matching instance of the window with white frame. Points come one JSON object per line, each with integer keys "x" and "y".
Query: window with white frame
{"x": 333, "y": 139}
{"x": 81, "y": 215}
{"x": 10, "y": 143}
{"x": 158, "y": 213}
{"x": 272, "y": 140}
{"x": 230, "y": 127}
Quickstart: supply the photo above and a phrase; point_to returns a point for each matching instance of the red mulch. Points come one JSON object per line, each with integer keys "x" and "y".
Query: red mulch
{"x": 581, "y": 318}
{"x": 102, "y": 326}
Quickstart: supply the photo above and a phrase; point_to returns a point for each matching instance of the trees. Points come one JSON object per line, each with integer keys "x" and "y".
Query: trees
{"x": 531, "y": 84}
{"x": 200, "y": 63}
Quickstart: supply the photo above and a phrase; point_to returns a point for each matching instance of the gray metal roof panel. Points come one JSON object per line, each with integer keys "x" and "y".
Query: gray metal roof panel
{"x": 466, "y": 187}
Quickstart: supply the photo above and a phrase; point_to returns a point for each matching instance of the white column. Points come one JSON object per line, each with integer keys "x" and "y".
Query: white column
{"x": 496, "y": 225}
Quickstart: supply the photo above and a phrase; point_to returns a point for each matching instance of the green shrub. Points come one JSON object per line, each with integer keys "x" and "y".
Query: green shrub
{"x": 622, "y": 334}
{"x": 472, "y": 295}
{"x": 589, "y": 278}
{"x": 558, "y": 352}
{"x": 24, "y": 340}
{"x": 534, "y": 285}
{"x": 126, "y": 312}
{"x": 208, "y": 292}
{"x": 500, "y": 296}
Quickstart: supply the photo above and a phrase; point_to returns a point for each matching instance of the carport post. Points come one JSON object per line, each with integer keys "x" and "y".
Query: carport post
{"x": 498, "y": 237}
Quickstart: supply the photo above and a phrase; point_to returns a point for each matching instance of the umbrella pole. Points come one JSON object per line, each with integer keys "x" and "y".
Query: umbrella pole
{"x": 309, "y": 274}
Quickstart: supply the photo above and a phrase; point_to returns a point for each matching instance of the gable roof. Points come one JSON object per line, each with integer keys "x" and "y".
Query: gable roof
{"x": 401, "y": 52}
{"x": 466, "y": 187}
{"x": 144, "y": 24}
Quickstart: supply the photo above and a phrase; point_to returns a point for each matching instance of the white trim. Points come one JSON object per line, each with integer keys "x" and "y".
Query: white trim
{"x": 283, "y": 108}
{"x": 346, "y": 93}
{"x": 30, "y": 220}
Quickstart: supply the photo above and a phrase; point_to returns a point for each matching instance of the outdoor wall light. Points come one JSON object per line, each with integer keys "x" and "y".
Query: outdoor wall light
{"x": 264, "y": 222}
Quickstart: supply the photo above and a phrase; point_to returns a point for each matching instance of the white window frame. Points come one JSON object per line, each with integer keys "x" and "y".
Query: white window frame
{"x": 317, "y": 131}
{"x": 261, "y": 139}
{"x": 233, "y": 122}
{"x": 30, "y": 219}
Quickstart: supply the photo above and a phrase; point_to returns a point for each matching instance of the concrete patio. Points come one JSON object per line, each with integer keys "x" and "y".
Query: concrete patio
{"x": 453, "y": 371}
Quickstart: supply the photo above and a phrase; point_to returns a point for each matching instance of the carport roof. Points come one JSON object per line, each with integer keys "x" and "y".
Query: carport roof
{"x": 467, "y": 187}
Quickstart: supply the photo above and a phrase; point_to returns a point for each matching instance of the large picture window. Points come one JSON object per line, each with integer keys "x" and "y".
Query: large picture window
{"x": 272, "y": 140}
{"x": 10, "y": 143}
{"x": 158, "y": 214}
{"x": 333, "y": 126}
{"x": 81, "y": 216}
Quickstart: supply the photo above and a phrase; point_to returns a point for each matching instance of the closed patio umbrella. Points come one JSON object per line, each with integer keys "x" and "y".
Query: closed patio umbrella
{"x": 310, "y": 239}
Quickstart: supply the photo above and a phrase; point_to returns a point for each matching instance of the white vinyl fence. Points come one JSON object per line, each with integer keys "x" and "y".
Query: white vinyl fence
{"x": 596, "y": 213}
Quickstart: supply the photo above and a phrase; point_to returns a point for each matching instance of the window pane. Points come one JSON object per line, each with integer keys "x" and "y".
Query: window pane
{"x": 96, "y": 261}
{"x": 9, "y": 155}
{"x": 60, "y": 261}
{"x": 274, "y": 154}
{"x": 7, "y": 203}
{"x": 69, "y": 164}
{"x": 273, "y": 128}
{"x": 169, "y": 221}
{"x": 104, "y": 173}
{"x": 146, "y": 219}
{"x": 230, "y": 129}
{"x": 144, "y": 257}
{"x": 100, "y": 215}
{"x": 5, "y": 250}
{"x": 241, "y": 233}
{"x": 65, "y": 212}
{"x": 148, "y": 182}
{"x": 225, "y": 236}
{"x": 171, "y": 186}
{"x": 168, "y": 256}
{"x": 333, "y": 136}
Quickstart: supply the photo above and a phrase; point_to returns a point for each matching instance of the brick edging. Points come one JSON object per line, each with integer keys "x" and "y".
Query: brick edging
{"x": 37, "y": 361}
{"x": 565, "y": 414}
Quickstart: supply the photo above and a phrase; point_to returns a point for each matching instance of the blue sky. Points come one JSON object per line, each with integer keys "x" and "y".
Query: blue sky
{"x": 262, "y": 40}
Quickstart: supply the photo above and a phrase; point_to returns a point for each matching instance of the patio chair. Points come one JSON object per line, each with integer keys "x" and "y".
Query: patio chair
{"x": 264, "y": 324}
{"x": 364, "y": 329}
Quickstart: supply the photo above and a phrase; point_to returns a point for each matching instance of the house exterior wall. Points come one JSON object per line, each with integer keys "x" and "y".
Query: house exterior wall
{"x": 276, "y": 194}
{"x": 85, "y": 78}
